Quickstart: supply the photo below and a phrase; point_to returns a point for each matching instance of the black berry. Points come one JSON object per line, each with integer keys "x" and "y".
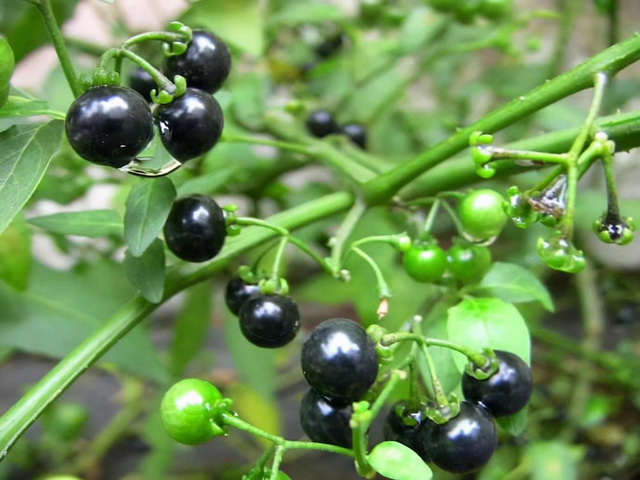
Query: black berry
{"x": 339, "y": 360}
{"x": 507, "y": 391}
{"x": 326, "y": 421}
{"x": 330, "y": 46}
{"x": 356, "y": 133}
{"x": 195, "y": 229}
{"x": 109, "y": 125}
{"x": 206, "y": 64}
{"x": 321, "y": 124}
{"x": 402, "y": 425}
{"x": 190, "y": 125}
{"x": 142, "y": 82}
{"x": 269, "y": 321}
{"x": 238, "y": 292}
{"x": 463, "y": 444}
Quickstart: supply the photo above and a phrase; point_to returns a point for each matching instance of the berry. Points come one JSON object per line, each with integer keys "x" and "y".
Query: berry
{"x": 190, "y": 125}
{"x": 481, "y": 213}
{"x": 464, "y": 443}
{"x": 330, "y": 46}
{"x": 507, "y": 391}
{"x": 402, "y": 425}
{"x": 109, "y": 125}
{"x": 496, "y": 9}
{"x": 195, "y": 229}
{"x": 269, "y": 321}
{"x": 425, "y": 262}
{"x": 188, "y": 411}
{"x": 356, "y": 133}
{"x": 326, "y": 421}
{"x": 238, "y": 292}
{"x": 469, "y": 263}
{"x": 142, "y": 82}
{"x": 339, "y": 360}
{"x": 321, "y": 124}
{"x": 206, "y": 64}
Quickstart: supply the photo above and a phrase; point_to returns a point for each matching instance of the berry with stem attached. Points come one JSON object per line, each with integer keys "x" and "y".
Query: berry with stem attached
{"x": 425, "y": 262}
{"x": 206, "y": 64}
{"x": 339, "y": 360}
{"x": 269, "y": 321}
{"x": 481, "y": 214}
{"x": 326, "y": 421}
{"x": 190, "y": 125}
{"x": 109, "y": 125}
{"x": 505, "y": 392}
{"x": 195, "y": 229}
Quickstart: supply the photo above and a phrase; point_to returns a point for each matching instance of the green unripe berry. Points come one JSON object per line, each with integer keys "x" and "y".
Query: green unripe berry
{"x": 482, "y": 214}
{"x": 425, "y": 262}
{"x": 190, "y": 411}
{"x": 469, "y": 263}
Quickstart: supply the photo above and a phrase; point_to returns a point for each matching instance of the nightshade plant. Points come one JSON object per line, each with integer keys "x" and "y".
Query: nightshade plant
{"x": 417, "y": 207}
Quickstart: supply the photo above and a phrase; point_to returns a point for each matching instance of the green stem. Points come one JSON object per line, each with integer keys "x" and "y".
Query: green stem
{"x": 277, "y": 460}
{"x": 498, "y": 154}
{"x": 246, "y": 221}
{"x": 388, "y": 239}
{"x": 613, "y": 209}
{"x": 383, "y": 288}
{"x": 476, "y": 357}
{"x": 278, "y": 258}
{"x": 612, "y": 60}
{"x": 44, "y": 6}
{"x": 454, "y": 218}
{"x": 292, "y": 147}
{"x": 431, "y": 218}
{"x": 614, "y": 22}
{"x": 15, "y": 422}
{"x": 344, "y": 232}
{"x": 167, "y": 37}
{"x": 162, "y": 82}
{"x": 440, "y": 397}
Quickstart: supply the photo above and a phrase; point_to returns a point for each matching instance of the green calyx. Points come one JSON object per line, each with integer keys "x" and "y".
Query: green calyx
{"x": 164, "y": 96}
{"x": 614, "y": 230}
{"x": 442, "y": 414}
{"x": 560, "y": 254}
{"x": 177, "y": 47}
{"x": 487, "y": 370}
{"x": 230, "y": 218}
{"x": 100, "y": 77}
{"x": 519, "y": 209}
{"x": 274, "y": 286}
{"x": 482, "y": 154}
{"x": 246, "y": 273}
{"x": 191, "y": 412}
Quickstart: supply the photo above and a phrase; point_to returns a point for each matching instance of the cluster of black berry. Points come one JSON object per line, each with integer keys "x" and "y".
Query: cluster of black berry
{"x": 340, "y": 364}
{"x": 321, "y": 123}
{"x": 112, "y": 124}
{"x": 268, "y": 321}
{"x": 467, "y": 441}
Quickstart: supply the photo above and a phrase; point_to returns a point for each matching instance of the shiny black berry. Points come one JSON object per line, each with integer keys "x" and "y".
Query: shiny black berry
{"x": 507, "y": 391}
{"x": 206, "y": 63}
{"x": 195, "y": 229}
{"x": 142, "y": 83}
{"x": 237, "y": 292}
{"x": 402, "y": 425}
{"x": 109, "y": 125}
{"x": 339, "y": 360}
{"x": 463, "y": 444}
{"x": 190, "y": 125}
{"x": 326, "y": 421}
{"x": 269, "y": 321}
{"x": 356, "y": 133}
{"x": 330, "y": 46}
{"x": 321, "y": 124}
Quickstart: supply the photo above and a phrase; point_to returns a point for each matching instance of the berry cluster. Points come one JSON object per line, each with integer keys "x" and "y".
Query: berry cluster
{"x": 266, "y": 320}
{"x": 466, "y": 441}
{"x": 321, "y": 123}
{"x": 112, "y": 124}
{"x": 340, "y": 364}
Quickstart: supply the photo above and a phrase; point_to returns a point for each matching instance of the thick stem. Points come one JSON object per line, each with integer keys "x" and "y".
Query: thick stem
{"x": 580, "y": 78}
{"x": 58, "y": 44}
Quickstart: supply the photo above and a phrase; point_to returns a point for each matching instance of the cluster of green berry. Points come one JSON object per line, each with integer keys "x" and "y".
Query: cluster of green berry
{"x": 110, "y": 124}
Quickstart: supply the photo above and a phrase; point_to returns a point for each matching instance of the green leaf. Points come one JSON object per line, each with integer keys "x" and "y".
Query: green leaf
{"x": 146, "y": 272}
{"x": 249, "y": 94}
{"x": 239, "y": 23}
{"x": 435, "y": 326}
{"x": 488, "y": 322}
{"x": 553, "y": 460}
{"x": 60, "y": 309}
{"x": 88, "y": 223}
{"x": 256, "y": 366}
{"x": 191, "y": 327}
{"x": 23, "y": 26}
{"x": 25, "y": 154}
{"x": 419, "y": 26}
{"x": 15, "y": 254}
{"x": 515, "y": 424}
{"x": 147, "y": 209}
{"x": 25, "y": 107}
{"x": 398, "y": 462}
{"x": 308, "y": 12}
{"x": 514, "y": 284}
